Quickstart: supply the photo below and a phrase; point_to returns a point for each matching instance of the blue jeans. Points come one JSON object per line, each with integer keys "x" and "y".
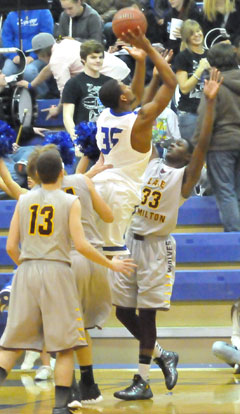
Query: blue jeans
{"x": 31, "y": 71}
{"x": 187, "y": 123}
{"x": 226, "y": 352}
{"x": 224, "y": 175}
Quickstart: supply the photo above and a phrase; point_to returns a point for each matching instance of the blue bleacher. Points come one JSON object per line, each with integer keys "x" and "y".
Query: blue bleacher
{"x": 199, "y": 211}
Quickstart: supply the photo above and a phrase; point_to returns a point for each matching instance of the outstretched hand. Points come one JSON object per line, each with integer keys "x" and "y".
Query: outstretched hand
{"x": 136, "y": 53}
{"x": 211, "y": 86}
{"x": 137, "y": 39}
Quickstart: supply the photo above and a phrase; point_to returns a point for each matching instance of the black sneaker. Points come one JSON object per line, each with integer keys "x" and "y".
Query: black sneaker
{"x": 139, "y": 390}
{"x": 90, "y": 394}
{"x": 168, "y": 363}
{"x": 75, "y": 396}
{"x": 63, "y": 410}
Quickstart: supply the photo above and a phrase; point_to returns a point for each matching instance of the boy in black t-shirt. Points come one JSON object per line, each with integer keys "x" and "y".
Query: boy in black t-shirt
{"x": 81, "y": 93}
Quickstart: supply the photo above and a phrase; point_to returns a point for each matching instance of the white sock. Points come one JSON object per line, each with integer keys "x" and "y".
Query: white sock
{"x": 157, "y": 352}
{"x": 143, "y": 371}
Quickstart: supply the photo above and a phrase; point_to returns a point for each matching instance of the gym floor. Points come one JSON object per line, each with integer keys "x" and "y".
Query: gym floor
{"x": 198, "y": 391}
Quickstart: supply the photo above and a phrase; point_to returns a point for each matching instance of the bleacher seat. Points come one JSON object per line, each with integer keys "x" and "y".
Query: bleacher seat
{"x": 199, "y": 211}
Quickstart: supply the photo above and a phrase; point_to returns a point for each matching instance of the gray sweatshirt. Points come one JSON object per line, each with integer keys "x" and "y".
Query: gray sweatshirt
{"x": 226, "y": 127}
{"x": 85, "y": 27}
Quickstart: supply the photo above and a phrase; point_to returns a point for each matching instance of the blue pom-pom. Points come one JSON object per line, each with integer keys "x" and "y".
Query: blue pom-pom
{"x": 86, "y": 139}
{"x": 64, "y": 144}
{"x": 7, "y": 137}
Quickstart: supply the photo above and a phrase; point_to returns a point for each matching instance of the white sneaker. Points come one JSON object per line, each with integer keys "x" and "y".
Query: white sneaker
{"x": 52, "y": 363}
{"x": 29, "y": 360}
{"x": 43, "y": 373}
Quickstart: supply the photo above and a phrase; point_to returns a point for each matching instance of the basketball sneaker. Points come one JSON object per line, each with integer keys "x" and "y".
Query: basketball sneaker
{"x": 235, "y": 316}
{"x": 90, "y": 394}
{"x": 168, "y": 363}
{"x": 75, "y": 396}
{"x": 43, "y": 373}
{"x": 62, "y": 410}
{"x": 29, "y": 360}
{"x": 138, "y": 390}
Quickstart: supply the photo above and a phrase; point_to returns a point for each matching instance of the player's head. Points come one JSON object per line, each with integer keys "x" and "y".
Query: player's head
{"x": 49, "y": 166}
{"x": 33, "y": 177}
{"x": 115, "y": 94}
{"x": 179, "y": 153}
{"x": 31, "y": 167}
{"x": 223, "y": 56}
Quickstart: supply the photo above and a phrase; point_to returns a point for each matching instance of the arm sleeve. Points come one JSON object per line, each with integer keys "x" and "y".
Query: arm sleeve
{"x": 8, "y": 36}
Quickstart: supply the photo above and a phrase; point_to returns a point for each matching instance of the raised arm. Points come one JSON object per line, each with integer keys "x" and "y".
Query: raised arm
{"x": 99, "y": 205}
{"x": 142, "y": 129}
{"x": 14, "y": 238}
{"x": 193, "y": 170}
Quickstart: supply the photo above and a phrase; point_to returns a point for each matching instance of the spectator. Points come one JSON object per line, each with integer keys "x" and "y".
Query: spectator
{"x": 231, "y": 353}
{"x": 155, "y": 10}
{"x": 56, "y": 10}
{"x": 220, "y": 14}
{"x": 64, "y": 61}
{"x": 180, "y": 9}
{"x": 190, "y": 66}
{"x": 223, "y": 157}
{"x": 81, "y": 93}
{"x": 80, "y": 21}
{"x": 32, "y": 23}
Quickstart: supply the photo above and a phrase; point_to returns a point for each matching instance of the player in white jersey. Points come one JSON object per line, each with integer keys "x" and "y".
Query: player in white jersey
{"x": 44, "y": 222}
{"x": 167, "y": 183}
{"x": 124, "y": 138}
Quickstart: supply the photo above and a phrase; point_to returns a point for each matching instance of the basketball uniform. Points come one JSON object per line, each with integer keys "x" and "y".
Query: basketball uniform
{"x": 92, "y": 279}
{"x": 149, "y": 240}
{"x": 120, "y": 185}
{"x": 43, "y": 304}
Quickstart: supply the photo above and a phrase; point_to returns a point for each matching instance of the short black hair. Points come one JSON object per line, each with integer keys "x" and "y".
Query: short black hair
{"x": 49, "y": 165}
{"x": 222, "y": 56}
{"x": 110, "y": 93}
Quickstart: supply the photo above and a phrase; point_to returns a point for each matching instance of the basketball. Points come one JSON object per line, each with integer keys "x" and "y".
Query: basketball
{"x": 128, "y": 18}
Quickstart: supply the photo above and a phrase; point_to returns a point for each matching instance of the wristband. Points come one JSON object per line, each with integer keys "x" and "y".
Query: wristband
{"x": 196, "y": 77}
{"x": 29, "y": 85}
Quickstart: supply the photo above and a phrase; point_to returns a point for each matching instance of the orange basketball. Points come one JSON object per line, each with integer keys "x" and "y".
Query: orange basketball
{"x": 128, "y": 18}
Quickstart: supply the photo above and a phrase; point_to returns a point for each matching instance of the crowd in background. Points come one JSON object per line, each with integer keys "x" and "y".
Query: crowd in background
{"x": 202, "y": 25}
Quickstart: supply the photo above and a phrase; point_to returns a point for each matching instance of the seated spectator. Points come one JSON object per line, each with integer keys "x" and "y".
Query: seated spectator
{"x": 110, "y": 37}
{"x": 155, "y": 10}
{"x": 183, "y": 10}
{"x": 220, "y": 14}
{"x": 191, "y": 68}
{"x": 230, "y": 353}
{"x": 56, "y": 10}
{"x": 80, "y": 21}
{"x": 32, "y": 23}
